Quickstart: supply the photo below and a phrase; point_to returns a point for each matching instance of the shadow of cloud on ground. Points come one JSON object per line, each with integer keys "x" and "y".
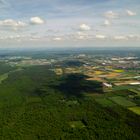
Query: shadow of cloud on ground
{"x": 73, "y": 85}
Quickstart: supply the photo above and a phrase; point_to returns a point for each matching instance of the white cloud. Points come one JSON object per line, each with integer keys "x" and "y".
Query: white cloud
{"x": 57, "y": 39}
{"x": 81, "y": 37}
{"x": 11, "y": 37}
{"x": 37, "y": 20}
{"x": 111, "y": 14}
{"x": 81, "y": 33}
{"x": 132, "y": 36}
{"x": 84, "y": 27}
{"x": 120, "y": 38}
{"x": 107, "y": 22}
{"x": 12, "y": 23}
{"x": 130, "y": 13}
{"x": 100, "y": 36}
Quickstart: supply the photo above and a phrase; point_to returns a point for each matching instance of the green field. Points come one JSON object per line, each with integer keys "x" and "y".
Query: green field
{"x": 104, "y": 102}
{"x": 135, "y": 91}
{"x": 123, "y": 87}
{"x": 3, "y": 77}
{"x": 122, "y": 101}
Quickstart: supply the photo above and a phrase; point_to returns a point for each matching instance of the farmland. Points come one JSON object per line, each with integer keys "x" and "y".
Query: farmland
{"x": 104, "y": 102}
{"x": 135, "y": 110}
{"x": 122, "y": 101}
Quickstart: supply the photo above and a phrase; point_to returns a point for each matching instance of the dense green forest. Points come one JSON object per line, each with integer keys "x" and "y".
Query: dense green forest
{"x": 4, "y": 68}
{"x": 36, "y": 104}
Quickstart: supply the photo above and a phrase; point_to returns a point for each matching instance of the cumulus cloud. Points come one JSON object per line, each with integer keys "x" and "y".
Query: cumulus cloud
{"x": 134, "y": 37}
{"x": 36, "y": 20}
{"x": 111, "y": 14}
{"x": 81, "y": 33}
{"x": 107, "y": 22}
{"x": 12, "y": 23}
{"x": 120, "y": 38}
{"x": 11, "y": 37}
{"x": 100, "y": 36}
{"x": 130, "y": 13}
{"x": 81, "y": 37}
{"x": 57, "y": 39}
{"x": 85, "y": 27}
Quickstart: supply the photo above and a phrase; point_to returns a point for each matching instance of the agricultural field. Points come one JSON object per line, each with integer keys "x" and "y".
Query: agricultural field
{"x": 119, "y": 71}
{"x": 104, "y": 102}
{"x": 122, "y": 101}
{"x": 135, "y": 109}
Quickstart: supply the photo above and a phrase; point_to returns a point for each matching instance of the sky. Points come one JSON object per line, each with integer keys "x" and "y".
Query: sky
{"x": 69, "y": 23}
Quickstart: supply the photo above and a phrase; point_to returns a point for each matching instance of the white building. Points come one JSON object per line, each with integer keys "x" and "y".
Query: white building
{"x": 107, "y": 85}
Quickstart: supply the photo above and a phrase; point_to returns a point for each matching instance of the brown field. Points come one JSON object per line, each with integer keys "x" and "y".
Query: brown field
{"x": 111, "y": 75}
{"x": 96, "y": 79}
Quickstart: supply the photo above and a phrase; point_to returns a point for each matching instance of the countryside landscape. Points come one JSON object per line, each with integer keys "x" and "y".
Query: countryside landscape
{"x": 83, "y": 94}
{"x": 69, "y": 69}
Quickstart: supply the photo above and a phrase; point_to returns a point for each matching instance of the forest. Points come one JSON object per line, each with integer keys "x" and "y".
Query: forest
{"x": 37, "y": 104}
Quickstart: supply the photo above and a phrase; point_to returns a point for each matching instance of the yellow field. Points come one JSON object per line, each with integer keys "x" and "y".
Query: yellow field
{"x": 72, "y": 70}
{"x": 135, "y": 109}
{"x": 119, "y": 71}
{"x": 98, "y": 72}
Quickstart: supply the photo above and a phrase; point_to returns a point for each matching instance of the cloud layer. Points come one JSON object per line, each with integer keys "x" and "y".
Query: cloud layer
{"x": 89, "y": 22}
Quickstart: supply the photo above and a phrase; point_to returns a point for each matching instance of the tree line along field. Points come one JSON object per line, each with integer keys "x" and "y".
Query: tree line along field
{"x": 37, "y": 104}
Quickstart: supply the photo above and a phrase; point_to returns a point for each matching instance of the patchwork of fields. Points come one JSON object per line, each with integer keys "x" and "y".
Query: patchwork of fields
{"x": 127, "y": 101}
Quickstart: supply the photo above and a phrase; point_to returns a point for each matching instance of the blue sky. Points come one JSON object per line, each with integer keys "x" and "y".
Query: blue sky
{"x": 65, "y": 23}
